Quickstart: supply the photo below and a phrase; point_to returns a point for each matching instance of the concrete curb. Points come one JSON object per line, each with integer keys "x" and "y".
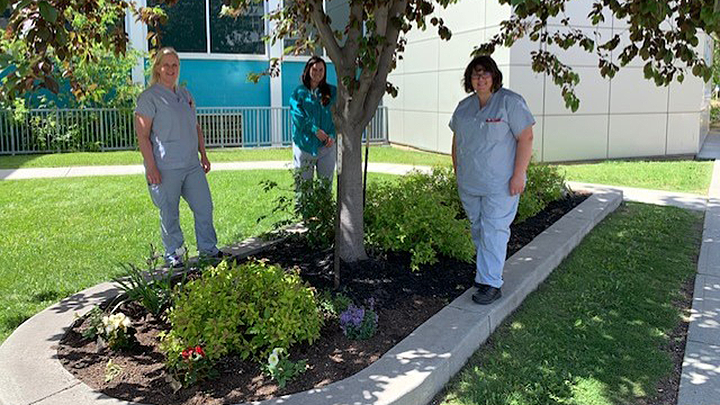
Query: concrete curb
{"x": 410, "y": 373}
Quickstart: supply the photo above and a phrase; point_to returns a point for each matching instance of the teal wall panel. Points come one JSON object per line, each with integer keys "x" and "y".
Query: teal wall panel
{"x": 223, "y": 83}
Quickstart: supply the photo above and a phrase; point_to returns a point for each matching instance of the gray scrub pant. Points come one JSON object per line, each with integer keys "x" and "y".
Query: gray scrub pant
{"x": 490, "y": 218}
{"x": 192, "y": 185}
{"x": 323, "y": 163}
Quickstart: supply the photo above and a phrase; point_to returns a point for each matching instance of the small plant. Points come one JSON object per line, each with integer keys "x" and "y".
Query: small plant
{"x": 118, "y": 331}
{"x": 149, "y": 288}
{"x": 333, "y": 304}
{"x": 545, "y": 184}
{"x": 112, "y": 371}
{"x": 94, "y": 324}
{"x": 359, "y": 323}
{"x": 190, "y": 367}
{"x": 281, "y": 368}
{"x": 313, "y": 204}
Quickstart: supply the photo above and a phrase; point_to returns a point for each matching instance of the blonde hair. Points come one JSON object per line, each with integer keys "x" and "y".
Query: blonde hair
{"x": 157, "y": 60}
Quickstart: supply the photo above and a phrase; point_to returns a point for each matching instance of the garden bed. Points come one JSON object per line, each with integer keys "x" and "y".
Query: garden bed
{"x": 404, "y": 300}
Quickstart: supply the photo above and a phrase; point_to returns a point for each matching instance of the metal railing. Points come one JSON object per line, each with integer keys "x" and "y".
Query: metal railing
{"x": 105, "y": 129}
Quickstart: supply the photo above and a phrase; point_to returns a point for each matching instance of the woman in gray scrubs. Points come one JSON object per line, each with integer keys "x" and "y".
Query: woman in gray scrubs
{"x": 492, "y": 146}
{"x": 170, "y": 138}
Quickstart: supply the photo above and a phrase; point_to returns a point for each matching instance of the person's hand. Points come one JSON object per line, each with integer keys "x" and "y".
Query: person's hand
{"x": 322, "y": 136}
{"x": 329, "y": 142}
{"x": 517, "y": 184}
{"x": 205, "y": 163}
{"x": 153, "y": 175}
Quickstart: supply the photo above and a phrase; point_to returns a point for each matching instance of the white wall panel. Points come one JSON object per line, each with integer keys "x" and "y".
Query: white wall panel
{"x": 421, "y": 128}
{"x": 686, "y": 96}
{"x": 637, "y": 135}
{"x": 631, "y": 93}
{"x": 399, "y": 101}
{"x": 455, "y": 53}
{"x": 683, "y": 133}
{"x": 421, "y": 56}
{"x": 576, "y": 55}
{"x": 396, "y": 132}
{"x": 464, "y": 15}
{"x": 444, "y": 136}
{"x": 593, "y": 92}
{"x": 538, "y": 138}
{"x": 521, "y": 49}
{"x": 496, "y": 12}
{"x": 528, "y": 84}
{"x": 574, "y": 137}
{"x": 578, "y": 11}
{"x": 421, "y": 91}
{"x": 451, "y": 91}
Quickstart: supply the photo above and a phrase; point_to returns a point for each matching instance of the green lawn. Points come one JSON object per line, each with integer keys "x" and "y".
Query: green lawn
{"x": 593, "y": 332}
{"x": 59, "y": 236}
{"x": 377, "y": 154}
{"x": 687, "y": 176}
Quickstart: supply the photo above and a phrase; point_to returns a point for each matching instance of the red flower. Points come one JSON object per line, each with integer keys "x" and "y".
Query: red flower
{"x": 186, "y": 353}
{"x": 199, "y": 351}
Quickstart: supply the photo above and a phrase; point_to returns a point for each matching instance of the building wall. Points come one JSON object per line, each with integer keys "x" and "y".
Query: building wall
{"x": 626, "y": 116}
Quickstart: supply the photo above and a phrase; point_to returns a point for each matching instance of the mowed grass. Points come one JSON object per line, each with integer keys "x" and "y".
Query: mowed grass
{"x": 59, "y": 236}
{"x": 378, "y": 153}
{"x": 688, "y": 176}
{"x": 593, "y": 332}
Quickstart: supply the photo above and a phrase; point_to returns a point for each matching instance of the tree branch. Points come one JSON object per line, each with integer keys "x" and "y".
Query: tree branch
{"x": 325, "y": 32}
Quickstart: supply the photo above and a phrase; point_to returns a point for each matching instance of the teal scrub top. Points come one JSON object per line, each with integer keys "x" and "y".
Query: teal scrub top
{"x": 173, "y": 135}
{"x": 308, "y": 114}
{"x": 486, "y": 141}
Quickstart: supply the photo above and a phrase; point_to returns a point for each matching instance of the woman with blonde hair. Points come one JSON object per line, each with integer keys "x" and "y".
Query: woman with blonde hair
{"x": 170, "y": 138}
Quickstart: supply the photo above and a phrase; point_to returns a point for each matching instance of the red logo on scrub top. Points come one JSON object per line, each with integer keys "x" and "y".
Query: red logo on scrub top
{"x": 493, "y": 120}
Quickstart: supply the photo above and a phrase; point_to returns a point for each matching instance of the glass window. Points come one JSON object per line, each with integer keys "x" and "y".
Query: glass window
{"x": 243, "y": 34}
{"x": 185, "y": 27}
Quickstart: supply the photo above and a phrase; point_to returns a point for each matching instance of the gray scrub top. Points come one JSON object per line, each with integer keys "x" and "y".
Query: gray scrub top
{"x": 486, "y": 141}
{"x": 174, "y": 128}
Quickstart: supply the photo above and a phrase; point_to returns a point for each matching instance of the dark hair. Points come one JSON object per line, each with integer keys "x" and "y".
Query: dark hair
{"x": 487, "y": 64}
{"x": 323, "y": 86}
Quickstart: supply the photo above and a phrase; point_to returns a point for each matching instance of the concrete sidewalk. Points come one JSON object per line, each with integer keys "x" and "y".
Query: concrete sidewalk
{"x": 700, "y": 381}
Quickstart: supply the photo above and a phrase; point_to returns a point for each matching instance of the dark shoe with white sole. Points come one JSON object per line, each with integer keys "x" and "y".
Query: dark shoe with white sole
{"x": 485, "y": 296}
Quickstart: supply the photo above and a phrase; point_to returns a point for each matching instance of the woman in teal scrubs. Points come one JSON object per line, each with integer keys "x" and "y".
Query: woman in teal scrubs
{"x": 492, "y": 146}
{"x": 170, "y": 138}
{"x": 313, "y": 127}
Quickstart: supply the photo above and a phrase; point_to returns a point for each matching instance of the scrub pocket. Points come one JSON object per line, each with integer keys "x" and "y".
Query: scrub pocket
{"x": 497, "y": 131}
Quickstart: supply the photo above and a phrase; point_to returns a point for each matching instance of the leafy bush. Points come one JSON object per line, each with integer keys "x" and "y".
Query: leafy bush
{"x": 314, "y": 205}
{"x": 420, "y": 214}
{"x": 248, "y": 310}
{"x": 544, "y": 185}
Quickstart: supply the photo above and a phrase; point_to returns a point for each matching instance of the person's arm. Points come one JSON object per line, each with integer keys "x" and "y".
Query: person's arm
{"x": 522, "y": 160}
{"x": 143, "y": 125}
{"x": 454, "y": 155}
{"x": 204, "y": 161}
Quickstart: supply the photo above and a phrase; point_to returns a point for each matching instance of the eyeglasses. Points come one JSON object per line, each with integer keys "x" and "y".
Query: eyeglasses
{"x": 480, "y": 75}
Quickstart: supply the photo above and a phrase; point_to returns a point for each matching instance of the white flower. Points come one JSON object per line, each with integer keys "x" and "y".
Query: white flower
{"x": 274, "y": 357}
{"x": 115, "y": 322}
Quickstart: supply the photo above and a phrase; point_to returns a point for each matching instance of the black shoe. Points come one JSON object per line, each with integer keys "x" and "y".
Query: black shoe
{"x": 486, "y": 296}
{"x": 220, "y": 255}
{"x": 481, "y": 286}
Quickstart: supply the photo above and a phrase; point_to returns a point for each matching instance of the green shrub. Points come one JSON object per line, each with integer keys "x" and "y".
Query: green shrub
{"x": 314, "y": 205}
{"x": 544, "y": 185}
{"x": 247, "y": 310}
{"x": 420, "y": 214}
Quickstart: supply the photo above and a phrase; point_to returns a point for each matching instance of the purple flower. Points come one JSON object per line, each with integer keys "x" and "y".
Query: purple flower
{"x": 352, "y": 317}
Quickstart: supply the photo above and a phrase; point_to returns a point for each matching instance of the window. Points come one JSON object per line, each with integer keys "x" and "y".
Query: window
{"x": 186, "y": 28}
{"x": 241, "y": 35}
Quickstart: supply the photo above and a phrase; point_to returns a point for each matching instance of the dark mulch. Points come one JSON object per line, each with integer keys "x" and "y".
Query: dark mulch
{"x": 404, "y": 300}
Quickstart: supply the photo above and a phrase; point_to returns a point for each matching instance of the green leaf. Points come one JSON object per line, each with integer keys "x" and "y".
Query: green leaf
{"x": 48, "y": 12}
{"x": 3, "y": 5}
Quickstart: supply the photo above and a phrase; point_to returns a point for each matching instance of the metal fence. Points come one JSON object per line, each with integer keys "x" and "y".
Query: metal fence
{"x": 104, "y": 129}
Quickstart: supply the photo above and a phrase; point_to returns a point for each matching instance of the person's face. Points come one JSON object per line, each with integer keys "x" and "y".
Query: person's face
{"x": 482, "y": 80}
{"x": 317, "y": 72}
{"x": 169, "y": 68}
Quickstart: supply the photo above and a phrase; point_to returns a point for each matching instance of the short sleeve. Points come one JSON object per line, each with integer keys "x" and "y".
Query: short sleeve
{"x": 519, "y": 116}
{"x": 145, "y": 106}
{"x": 452, "y": 124}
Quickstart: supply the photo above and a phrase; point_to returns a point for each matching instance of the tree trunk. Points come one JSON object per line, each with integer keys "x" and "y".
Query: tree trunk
{"x": 350, "y": 238}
